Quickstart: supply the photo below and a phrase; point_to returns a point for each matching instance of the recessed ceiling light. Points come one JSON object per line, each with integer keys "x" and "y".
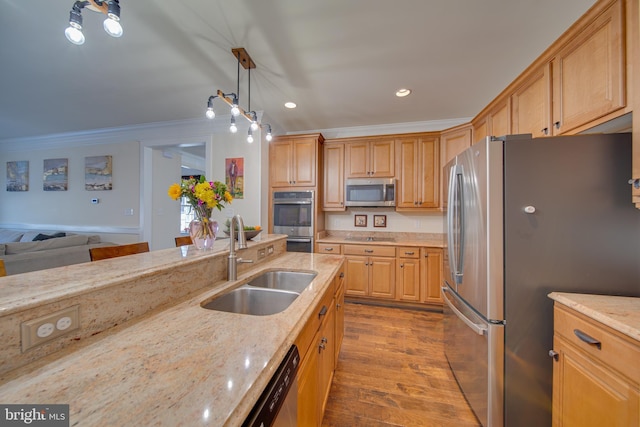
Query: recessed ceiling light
{"x": 290, "y": 104}
{"x": 403, "y": 92}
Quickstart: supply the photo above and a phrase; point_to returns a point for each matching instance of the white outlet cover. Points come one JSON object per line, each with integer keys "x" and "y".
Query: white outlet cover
{"x": 63, "y": 323}
{"x": 45, "y": 330}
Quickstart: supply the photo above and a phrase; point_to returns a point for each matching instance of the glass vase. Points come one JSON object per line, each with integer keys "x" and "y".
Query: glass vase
{"x": 203, "y": 233}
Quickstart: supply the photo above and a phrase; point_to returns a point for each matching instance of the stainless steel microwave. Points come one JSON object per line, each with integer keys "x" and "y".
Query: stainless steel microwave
{"x": 370, "y": 192}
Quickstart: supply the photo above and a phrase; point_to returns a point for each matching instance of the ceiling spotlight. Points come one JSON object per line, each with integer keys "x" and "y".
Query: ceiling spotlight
{"x": 233, "y": 127}
{"x": 74, "y": 30}
{"x": 290, "y": 104}
{"x": 269, "y": 137}
{"x": 112, "y": 26}
{"x": 403, "y": 92}
{"x": 210, "y": 113}
{"x": 234, "y": 108}
{"x": 250, "y": 136}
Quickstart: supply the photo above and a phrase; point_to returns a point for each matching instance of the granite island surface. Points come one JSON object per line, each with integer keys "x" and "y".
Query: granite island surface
{"x": 177, "y": 364}
{"x": 620, "y": 313}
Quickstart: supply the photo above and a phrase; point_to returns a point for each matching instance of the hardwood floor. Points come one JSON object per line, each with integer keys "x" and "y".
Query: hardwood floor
{"x": 392, "y": 372}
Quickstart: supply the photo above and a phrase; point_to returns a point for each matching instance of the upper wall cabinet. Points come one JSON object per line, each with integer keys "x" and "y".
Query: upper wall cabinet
{"x": 589, "y": 72}
{"x": 333, "y": 189}
{"x": 367, "y": 158}
{"x": 531, "y": 103}
{"x": 452, "y": 142}
{"x": 418, "y": 172}
{"x": 293, "y": 160}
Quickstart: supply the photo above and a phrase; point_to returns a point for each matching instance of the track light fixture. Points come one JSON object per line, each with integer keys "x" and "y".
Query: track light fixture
{"x": 231, "y": 99}
{"x": 111, "y": 25}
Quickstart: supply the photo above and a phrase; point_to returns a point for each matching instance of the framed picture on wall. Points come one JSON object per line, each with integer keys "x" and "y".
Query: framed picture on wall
{"x": 360, "y": 220}
{"x": 98, "y": 172}
{"x": 55, "y": 175}
{"x": 18, "y": 175}
{"x": 234, "y": 176}
{"x": 379, "y": 220}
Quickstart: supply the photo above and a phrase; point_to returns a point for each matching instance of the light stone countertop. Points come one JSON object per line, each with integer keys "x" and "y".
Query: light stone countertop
{"x": 399, "y": 239}
{"x": 182, "y": 365}
{"x": 619, "y": 313}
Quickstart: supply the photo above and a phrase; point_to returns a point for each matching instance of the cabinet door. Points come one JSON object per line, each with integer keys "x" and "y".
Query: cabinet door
{"x": 304, "y": 162}
{"x": 356, "y": 160}
{"x": 357, "y": 269}
{"x": 382, "y": 158}
{"x": 408, "y": 280}
{"x": 333, "y": 190}
{"x": 588, "y": 74}
{"x": 309, "y": 390}
{"x": 382, "y": 275}
{"x": 531, "y": 104}
{"x": 326, "y": 357}
{"x": 588, "y": 394}
{"x": 280, "y": 159}
{"x": 339, "y": 334}
{"x": 499, "y": 120}
{"x": 407, "y": 175}
{"x": 428, "y": 173}
{"x": 431, "y": 275}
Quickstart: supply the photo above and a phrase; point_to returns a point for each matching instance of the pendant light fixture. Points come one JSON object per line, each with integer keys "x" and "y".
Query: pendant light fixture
{"x": 231, "y": 99}
{"x": 111, "y": 25}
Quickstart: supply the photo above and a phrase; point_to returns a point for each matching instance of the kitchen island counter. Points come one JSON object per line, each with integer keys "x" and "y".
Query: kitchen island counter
{"x": 176, "y": 365}
{"x": 619, "y": 313}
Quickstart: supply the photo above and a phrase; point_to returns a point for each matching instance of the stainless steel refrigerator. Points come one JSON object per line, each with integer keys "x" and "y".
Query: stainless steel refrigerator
{"x": 527, "y": 217}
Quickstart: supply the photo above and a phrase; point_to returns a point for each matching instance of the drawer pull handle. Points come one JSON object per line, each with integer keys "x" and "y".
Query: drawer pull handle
{"x": 328, "y": 249}
{"x": 369, "y": 251}
{"x": 409, "y": 253}
{"x": 588, "y": 339}
{"x": 323, "y": 311}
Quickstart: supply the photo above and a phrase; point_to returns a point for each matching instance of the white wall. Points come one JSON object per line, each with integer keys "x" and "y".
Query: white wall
{"x": 165, "y": 211}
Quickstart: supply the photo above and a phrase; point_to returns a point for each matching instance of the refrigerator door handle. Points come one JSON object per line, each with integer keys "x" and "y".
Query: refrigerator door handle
{"x": 478, "y": 329}
{"x": 455, "y": 224}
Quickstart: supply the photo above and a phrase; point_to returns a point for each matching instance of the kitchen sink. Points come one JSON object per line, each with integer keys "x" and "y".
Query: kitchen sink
{"x": 295, "y": 281}
{"x": 253, "y": 300}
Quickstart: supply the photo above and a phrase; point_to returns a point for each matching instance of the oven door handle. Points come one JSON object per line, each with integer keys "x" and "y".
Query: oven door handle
{"x": 292, "y": 202}
{"x": 297, "y": 240}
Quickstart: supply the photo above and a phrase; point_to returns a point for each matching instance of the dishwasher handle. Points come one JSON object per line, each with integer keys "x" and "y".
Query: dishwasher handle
{"x": 478, "y": 329}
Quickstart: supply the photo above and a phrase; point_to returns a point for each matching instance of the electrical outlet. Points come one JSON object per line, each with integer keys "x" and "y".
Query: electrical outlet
{"x": 270, "y": 250}
{"x": 261, "y": 253}
{"x": 46, "y": 328}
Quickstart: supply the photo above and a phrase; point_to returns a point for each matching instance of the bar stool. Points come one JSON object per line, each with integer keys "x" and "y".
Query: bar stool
{"x": 118, "y": 251}
{"x": 183, "y": 241}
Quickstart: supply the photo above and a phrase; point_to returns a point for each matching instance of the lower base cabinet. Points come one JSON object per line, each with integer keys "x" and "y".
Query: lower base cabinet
{"x": 319, "y": 346}
{"x": 596, "y": 379}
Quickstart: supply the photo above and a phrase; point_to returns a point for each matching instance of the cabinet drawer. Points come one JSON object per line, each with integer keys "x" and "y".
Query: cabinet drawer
{"x": 408, "y": 252}
{"x": 329, "y": 248}
{"x": 616, "y": 351}
{"x": 389, "y": 251}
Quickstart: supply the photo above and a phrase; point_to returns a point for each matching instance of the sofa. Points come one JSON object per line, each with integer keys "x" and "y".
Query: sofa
{"x": 25, "y": 251}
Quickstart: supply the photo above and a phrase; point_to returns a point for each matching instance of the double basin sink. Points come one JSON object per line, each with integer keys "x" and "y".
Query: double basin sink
{"x": 269, "y": 293}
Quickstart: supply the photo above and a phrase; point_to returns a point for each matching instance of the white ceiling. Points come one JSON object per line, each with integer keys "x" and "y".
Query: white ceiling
{"x": 340, "y": 60}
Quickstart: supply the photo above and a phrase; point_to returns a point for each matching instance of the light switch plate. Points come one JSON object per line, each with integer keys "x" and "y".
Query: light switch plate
{"x": 46, "y": 328}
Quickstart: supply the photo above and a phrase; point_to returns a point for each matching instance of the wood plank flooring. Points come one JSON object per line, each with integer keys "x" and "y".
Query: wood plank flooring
{"x": 392, "y": 372}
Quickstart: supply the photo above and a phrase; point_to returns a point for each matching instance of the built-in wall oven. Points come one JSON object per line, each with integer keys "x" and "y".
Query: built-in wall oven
{"x": 293, "y": 215}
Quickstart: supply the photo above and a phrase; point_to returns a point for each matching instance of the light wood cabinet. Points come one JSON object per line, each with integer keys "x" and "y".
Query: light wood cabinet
{"x": 452, "y": 142}
{"x": 589, "y": 72}
{"x": 333, "y": 189}
{"x": 370, "y": 271}
{"x": 293, "y": 160}
{"x": 531, "y": 103}
{"x": 370, "y": 158}
{"x": 408, "y": 274}
{"x": 596, "y": 375}
{"x": 418, "y": 172}
{"x": 329, "y": 248}
{"x": 431, "y": 270}
{"x": 319, "y": 344}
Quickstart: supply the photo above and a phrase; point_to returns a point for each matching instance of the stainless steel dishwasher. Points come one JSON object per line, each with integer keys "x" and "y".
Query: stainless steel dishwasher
{"x": 278, "y": 404}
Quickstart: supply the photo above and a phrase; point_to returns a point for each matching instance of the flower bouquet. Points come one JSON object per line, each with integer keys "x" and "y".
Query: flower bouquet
{"x": 203, "y": 196}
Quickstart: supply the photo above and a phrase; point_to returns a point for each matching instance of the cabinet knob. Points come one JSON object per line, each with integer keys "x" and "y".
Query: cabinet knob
{"x": 321, "y": 347}
{"x": 342, "y": 275}
{"x": 338, "y": 305}
{"x": 323, "y": 340}
{"x": 557, "y": 125}
{"x": 553, "y": 354}
{"x": 401, "y": 265}
{"x": 545, "y": 131}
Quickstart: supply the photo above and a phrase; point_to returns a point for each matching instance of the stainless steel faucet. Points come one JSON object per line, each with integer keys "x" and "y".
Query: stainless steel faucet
{"x": 232, "y": 267}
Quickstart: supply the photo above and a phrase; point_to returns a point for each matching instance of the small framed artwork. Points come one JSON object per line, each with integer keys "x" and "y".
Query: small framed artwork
{"x": 18, "y": 176}
{"x": 98, "y": 173}
{"x": 360, "y": 220}
{"x": 379, "y": 220}
{"x": 55, "y": 176}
